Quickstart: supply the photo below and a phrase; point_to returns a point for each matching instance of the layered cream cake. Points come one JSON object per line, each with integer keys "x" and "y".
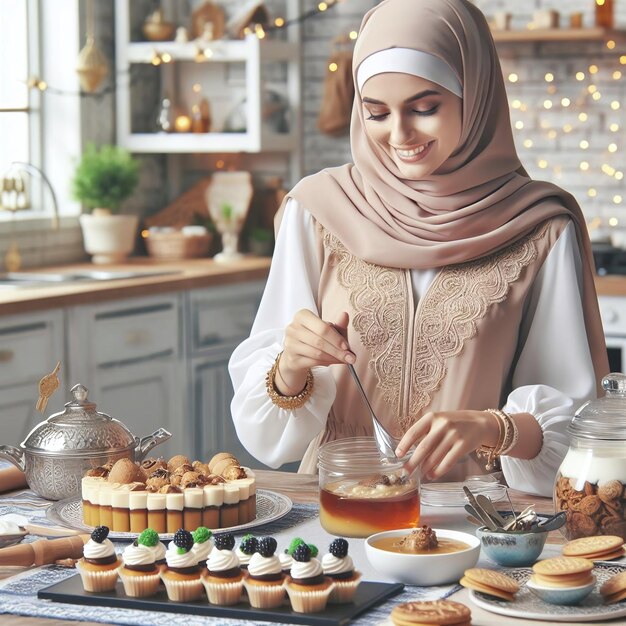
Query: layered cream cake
{"x": 169, "y": 495}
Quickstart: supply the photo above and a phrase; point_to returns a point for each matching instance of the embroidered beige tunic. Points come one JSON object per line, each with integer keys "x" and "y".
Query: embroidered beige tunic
{"x": 445, "y": 351}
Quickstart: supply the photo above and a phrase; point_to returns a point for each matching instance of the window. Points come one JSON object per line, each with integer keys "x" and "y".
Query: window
{"x": 19, "y": 105}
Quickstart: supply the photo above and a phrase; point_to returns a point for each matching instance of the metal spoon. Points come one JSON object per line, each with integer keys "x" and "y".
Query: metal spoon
{"x": 551, "y": 523}
{"x": 482, "y": 516}
{"x": 487, "y": 506}
{"x": 385, "y": 442}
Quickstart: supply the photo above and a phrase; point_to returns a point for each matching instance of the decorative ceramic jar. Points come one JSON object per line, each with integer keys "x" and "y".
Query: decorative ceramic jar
{"x": 362, "y": 494}
{"x": 58, "y": 451}
{"x": 591, "y": 482}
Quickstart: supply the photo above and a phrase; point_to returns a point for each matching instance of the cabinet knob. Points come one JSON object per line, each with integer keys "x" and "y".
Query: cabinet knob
{"x": 610, "y": 316}
{"x": 137, "y": 337}
{"x": 6, "y": 356}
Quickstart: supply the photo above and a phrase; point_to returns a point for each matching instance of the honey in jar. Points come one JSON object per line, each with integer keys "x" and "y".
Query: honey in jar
{"x": 362, "y": 494}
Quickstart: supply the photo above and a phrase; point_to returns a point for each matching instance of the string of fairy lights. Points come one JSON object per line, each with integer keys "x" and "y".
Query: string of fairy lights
{"x": 203, "y": 51}
{"x": 576, "y": 113}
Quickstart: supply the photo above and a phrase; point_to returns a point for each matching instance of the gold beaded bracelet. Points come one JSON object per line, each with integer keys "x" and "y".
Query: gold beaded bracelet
{"x": 507, "y": 438}
{"x": 287, "y": 402}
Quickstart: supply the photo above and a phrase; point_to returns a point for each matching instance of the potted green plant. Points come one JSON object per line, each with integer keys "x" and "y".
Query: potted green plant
{"x": 103, "y": 179}
{"x": 261, "y": 241}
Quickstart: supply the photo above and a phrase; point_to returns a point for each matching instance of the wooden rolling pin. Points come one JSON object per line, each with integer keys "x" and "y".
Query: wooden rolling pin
{"x": 12, "y": 478}
{"x": 44, "y": 551}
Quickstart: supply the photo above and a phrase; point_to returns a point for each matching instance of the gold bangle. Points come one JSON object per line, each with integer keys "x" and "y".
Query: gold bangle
{"x": 507, "y": 438}
{"x": 510, "y": 432}
{"x": 287, "y": 402}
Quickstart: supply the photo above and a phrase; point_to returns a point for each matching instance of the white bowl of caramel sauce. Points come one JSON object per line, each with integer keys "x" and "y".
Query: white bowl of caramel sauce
{"x": 411, "y": 556}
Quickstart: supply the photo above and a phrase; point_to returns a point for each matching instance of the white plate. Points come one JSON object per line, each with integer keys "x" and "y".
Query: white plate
{"x": 452, "y": 494}
{"x": 529, "y": 606}
{"x": 270, "y": 506}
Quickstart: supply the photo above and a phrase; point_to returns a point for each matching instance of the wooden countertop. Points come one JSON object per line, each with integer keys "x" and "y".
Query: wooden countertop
{"x": 176, "y": 276}
{"x": 611, "y": 285}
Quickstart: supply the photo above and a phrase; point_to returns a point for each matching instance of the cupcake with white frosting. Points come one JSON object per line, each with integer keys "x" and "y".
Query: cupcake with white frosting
{"x": 140, "y": 574}
{"x": 99, "y": 565}
{"x": 339, "y": 567}
{"x": 224, "y": 579}
{"x": 264, "y": 579}
{"x": 182, "y": 574}
{"x": 202, "y": 544}
{"x": 307, "y": 587}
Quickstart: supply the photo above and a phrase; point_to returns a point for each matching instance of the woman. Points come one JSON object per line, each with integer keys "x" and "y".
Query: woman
{"x": 461, "y": 290}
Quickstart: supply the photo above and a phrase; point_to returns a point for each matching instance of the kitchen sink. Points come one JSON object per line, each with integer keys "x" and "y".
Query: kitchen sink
{"x": 42, "y": 279}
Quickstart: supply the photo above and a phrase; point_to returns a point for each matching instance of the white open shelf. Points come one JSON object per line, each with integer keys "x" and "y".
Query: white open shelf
{"x": 252, "y": 53}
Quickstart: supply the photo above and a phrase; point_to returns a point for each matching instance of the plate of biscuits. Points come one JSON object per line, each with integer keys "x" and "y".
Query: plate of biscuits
{"x": 511, "y": 591}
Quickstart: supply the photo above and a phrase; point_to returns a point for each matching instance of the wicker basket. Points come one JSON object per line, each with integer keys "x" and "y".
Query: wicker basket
{"x": 177, "y": 246}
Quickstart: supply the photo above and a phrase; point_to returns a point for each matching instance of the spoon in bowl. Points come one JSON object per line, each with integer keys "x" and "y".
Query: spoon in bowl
{"x": 487, "y": 506}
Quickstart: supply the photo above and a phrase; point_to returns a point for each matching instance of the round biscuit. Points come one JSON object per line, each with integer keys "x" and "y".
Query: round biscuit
{"x": 613, "y": 585}
{"x": 549, "y": 581}
{"x": 606, "y": 556}
{"x": 616, "y": 597}
{"x": 562, "y": 566}
{"x": 491, "y": 578}
{"x": 441, "y": 612}
{"x": 492, "y": 591}
{"x": 592, "y": 545}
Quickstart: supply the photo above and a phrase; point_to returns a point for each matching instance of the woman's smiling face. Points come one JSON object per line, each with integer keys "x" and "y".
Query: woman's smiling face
{"x": 415, "y": 121}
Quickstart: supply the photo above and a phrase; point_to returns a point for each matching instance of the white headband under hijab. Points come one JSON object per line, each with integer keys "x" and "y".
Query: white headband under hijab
{"x": 409, "y": 61}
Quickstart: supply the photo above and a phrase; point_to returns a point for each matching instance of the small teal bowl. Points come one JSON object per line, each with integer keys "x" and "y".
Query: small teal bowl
{"x": 511, "y": 549}
{"x": 557, "y": 595}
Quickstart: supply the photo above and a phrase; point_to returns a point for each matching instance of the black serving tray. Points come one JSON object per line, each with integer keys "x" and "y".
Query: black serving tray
{"x": 368, "y": 594}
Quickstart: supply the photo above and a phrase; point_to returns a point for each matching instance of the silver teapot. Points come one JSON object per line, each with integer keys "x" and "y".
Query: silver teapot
{"x": 58, "y": 451}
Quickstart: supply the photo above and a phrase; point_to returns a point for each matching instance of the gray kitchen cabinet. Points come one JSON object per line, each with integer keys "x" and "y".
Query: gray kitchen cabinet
{"x": 217, "y": 319}
{"x": 151, "y": 362}
{"x": 30, "y": 347}
{"x": 128, "y": 354}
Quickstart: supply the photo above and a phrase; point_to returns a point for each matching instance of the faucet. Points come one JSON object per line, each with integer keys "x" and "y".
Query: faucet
{"x": 13, "y": 183}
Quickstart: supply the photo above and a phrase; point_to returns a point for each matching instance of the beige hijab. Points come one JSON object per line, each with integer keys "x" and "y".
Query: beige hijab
{"x": 480, "y": 199}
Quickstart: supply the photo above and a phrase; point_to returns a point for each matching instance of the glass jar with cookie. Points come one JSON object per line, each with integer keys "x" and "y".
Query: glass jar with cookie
{"x": 591, "y": 482}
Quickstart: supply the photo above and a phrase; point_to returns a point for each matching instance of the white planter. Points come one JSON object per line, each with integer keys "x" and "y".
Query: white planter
{"x": 109, "y": 238}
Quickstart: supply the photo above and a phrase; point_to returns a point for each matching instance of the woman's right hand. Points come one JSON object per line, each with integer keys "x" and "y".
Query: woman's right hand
{"x": 311, "y": 342}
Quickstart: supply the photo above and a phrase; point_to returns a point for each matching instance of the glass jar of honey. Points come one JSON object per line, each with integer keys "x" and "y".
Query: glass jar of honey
{"x": 362, "y": 494}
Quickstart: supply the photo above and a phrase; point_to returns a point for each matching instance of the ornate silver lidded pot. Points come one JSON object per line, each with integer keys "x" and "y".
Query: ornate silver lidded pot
{"x": 58, "y": 451}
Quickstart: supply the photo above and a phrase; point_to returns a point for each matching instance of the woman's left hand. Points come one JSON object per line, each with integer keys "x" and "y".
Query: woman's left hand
{"x": 444, "y": 437}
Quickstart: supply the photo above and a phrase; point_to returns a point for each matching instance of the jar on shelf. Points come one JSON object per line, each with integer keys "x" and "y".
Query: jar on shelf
{"x": 604, "y": 13}
{"x": 362, "y": 494}
{"x": 591, "y": 482}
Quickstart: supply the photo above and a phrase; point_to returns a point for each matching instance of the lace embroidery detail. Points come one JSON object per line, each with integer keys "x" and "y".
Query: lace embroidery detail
{"x": 378, "y": 297}
{"x": 458, "y": 298}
